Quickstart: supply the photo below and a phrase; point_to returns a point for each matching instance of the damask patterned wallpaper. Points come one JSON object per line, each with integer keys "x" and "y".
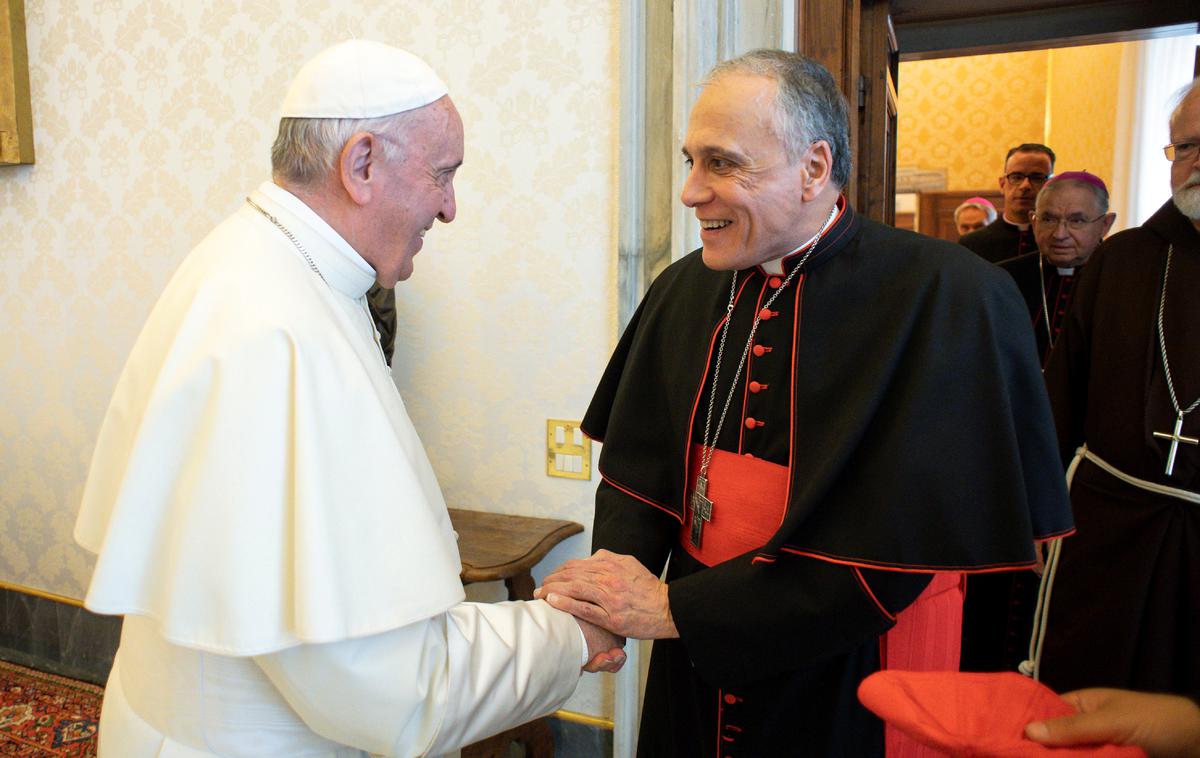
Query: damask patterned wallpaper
{"x": 963, "y": 114}
{"x": 1083, "y": 108}
{"x": 153, "y": 118}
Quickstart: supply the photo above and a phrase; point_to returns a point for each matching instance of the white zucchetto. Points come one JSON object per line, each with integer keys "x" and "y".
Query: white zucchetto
{"x": 361, "y": 79}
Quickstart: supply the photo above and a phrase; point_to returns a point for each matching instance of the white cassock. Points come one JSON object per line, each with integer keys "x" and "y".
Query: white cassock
{"x": 267, "y": 521}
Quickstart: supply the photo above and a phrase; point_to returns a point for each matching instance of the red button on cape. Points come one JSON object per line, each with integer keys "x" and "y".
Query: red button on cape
{"x": 978, "y": 715}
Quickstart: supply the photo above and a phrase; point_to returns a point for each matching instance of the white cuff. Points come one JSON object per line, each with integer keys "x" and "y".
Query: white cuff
{"x": 436, "y": 685}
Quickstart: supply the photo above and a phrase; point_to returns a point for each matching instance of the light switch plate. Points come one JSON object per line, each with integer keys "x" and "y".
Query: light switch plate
{"x": 568, "y": 450}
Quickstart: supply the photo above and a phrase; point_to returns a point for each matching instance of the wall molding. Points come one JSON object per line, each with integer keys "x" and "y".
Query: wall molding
{"x": 57, "y": 634}
{"x": 24, "y": 590}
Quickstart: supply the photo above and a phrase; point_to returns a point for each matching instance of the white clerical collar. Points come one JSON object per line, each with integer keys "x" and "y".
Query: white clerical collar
{"x": 1023, "y": 227}
{"x": 775, "y": 265}
{"x": 340, "y": 265}
{"x": 1065, "y": 271}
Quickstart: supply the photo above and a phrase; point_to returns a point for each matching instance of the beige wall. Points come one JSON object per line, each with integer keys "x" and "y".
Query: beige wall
{"x": 152, "y": 121}
{"x": 963, "y": 114}
{"x": 1082, "y": 97}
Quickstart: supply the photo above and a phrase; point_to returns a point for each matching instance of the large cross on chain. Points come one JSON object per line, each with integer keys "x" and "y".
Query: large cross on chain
{"x": 1174, "y": 436}
{"x": 701, "y": 510}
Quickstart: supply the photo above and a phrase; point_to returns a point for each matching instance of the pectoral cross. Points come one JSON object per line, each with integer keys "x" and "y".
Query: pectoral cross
{"x": 701, "y": 510}
{"x": 1174, "y": 436}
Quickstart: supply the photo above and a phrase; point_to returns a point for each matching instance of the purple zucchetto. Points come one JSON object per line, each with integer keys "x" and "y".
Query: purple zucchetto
{"x": 983, "y": 202}
{"x": 1080, "y": 176}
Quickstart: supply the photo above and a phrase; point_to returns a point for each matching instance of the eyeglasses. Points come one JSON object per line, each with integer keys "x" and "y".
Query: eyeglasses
{"x": 1017, "y": 177}
{"x": 1074, "y": 223}
{"x": 1181, "y": 151}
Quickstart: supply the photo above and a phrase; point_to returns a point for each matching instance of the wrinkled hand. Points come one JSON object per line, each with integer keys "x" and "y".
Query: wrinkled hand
{"x": 605, "y": 649}
{"x": 612, "y": 591}
{"x": 1165, "y": 726}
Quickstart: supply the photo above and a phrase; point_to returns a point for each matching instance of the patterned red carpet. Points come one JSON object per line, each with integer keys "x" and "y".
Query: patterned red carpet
{"x": 46, "y": 716}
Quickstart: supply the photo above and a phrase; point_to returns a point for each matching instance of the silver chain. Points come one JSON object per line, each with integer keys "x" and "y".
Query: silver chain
{"x": 1045, "y": 305}
{"x": 1162, "y": 341}
{"x": 706, "y": 448}
{"x": 287, "y": 233}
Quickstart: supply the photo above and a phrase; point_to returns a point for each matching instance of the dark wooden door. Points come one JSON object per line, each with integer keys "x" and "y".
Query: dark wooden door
{"x": 855, "y": 40}
{"x": 877, "y": 111}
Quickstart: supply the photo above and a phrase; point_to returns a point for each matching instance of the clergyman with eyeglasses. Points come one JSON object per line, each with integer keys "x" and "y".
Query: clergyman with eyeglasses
{"x": 1026, "y": 169}
{"x": 1070, "y": 220}
{"x": 1124, "y": 382}
{"x": 882, "y": 436}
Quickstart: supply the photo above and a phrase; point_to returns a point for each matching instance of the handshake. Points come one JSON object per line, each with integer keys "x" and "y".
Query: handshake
{"x": 612, "y": 597}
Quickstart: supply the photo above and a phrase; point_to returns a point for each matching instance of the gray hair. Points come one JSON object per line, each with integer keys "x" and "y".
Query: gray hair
{"x": 305, "y": 148}
{"x": 1099, "y": 195}
{"x": 808, "y": 104}
{"x": 989, "y": 210}
{"x": 1180, "y": 96}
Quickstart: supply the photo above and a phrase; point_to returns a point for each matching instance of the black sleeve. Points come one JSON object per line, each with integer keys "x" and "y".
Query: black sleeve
{"x": 382, "y": 303}
{"x": 743, "y": 621}
{"x": 628, "y": 526}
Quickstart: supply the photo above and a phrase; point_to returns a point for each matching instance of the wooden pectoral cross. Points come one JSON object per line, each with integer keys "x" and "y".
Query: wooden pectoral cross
{"x": 1174, "y": 436}
{"x": 701, "y": 510}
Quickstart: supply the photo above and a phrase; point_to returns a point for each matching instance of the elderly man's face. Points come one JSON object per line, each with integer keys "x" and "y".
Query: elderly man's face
{"x": 1057, "y": 211}
{"x": 743, "y": 187}
{"x": 1185, "y": 174}
{"x": 417, "y": 188}
{"x": 970, "y": 219}
{"x": 1024, "y": 175}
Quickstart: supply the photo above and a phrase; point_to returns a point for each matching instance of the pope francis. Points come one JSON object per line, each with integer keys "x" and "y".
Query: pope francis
{"x": 261, "y": 509}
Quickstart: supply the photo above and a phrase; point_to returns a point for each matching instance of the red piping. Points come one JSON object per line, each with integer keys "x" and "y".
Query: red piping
{"x": 643, "y": 498}
{"x": 913, "y": 569}
{"x": 687, "y": 446}
{"x": 862, "y": 581}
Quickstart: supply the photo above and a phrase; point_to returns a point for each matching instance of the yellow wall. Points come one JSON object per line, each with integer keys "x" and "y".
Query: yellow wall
{"x": 963, "y": 114}
{"x": 1082, "y": 96}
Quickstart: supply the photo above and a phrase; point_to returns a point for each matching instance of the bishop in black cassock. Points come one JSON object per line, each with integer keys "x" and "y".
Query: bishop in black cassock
{"x": 1070, "y": 220}
{"x": 887, "y": 429}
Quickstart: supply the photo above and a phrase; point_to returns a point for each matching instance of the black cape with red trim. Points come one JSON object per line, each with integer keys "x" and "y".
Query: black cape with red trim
{"x": 919, "y": 405}
{"x": 904, "y": 394}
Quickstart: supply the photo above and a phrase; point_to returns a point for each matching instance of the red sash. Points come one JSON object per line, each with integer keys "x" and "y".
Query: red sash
{"x": 749, "y": 497}
{"x": 927, "y": 637}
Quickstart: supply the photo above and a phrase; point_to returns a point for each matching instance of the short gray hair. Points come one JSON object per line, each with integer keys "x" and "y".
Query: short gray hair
{"x": 1181, "y": 95}
{"x": 1100, "y": 196}
{"x": 306, "y": 148}
{"x": 989, "y": 210}
{"x": 808, "y": 104}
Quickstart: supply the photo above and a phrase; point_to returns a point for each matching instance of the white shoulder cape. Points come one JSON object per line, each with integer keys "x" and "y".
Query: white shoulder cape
{"x": 257, "y": 483}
